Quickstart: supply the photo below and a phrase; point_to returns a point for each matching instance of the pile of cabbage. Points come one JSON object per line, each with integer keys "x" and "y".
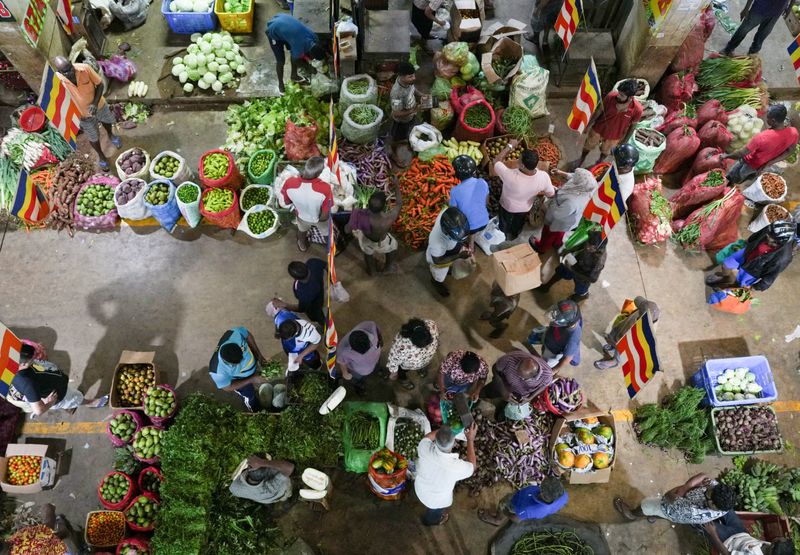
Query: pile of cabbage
{"x": 736, "y": 384}
{"x": 213, "y": 61}
{"x": 197, "y": 6}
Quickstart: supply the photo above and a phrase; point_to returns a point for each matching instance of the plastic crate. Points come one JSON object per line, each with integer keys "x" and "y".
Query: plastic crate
{"x": 733, "y": 453}
{"x": 186, "y": 23}
{"x": 773, "y": 526}
{"x": 241, "y": 22}
{"x": 707, "y": 376}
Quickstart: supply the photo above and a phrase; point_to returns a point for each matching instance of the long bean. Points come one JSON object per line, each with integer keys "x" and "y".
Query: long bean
{"x": 551, "y": 542}
{"x": 478, "y": 117}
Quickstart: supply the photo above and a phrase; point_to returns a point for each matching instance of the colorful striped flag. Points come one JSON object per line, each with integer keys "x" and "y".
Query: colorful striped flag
{"x": 57, "y": 103}
{"x": 794, "y": 54}
{"x": 568, "y": 19}
{"x": 586, "y": 102}
{"x": 333, "y": 152}
{"x": 607, "y": 206}
{"x": 30, "y": 204}
{"x": 10, "y": 346}
{"x": 331, "y": 337}
{"x": 637, "y": 352}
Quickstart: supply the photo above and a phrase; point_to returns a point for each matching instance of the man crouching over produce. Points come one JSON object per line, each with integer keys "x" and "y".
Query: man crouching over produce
{"x": 312, "y": 199}
{"x": 438, "y": 470}
{"x": 529, "y": 503}
{"x": 371, "y": 227}
{"x": 518, "y": 377}
{"x": 768, "y": 147}
{"x": 234, "y": 366}
{"x": 729, "y": 536}
{"x": 698, "y": 501}
{"x": 86, "y": 88}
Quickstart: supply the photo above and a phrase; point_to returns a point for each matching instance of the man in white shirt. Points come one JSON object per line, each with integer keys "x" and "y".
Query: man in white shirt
{"x": 626, "y": 156}
{"x": 438, "y": 470}
{"x": 447, "y": 242}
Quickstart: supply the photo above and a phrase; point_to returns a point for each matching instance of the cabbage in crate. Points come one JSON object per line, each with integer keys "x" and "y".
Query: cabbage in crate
{"x": 236, "y": 6}
{"x": 196, "y": 6}
{"x": 737, "y": 384}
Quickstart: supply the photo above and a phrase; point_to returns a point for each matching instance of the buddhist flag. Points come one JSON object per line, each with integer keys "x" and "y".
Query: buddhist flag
{"x": 637, "y": 352}
{"x": 586, "y": 102}
{"x": 607, "y": 206}
{"x": 30, "y": 204}
{"x": 331, "y": 337}
{"x": 568, "y": 19}
{"x": 58, "y": 105}
{"x": 10, "y": 346}
{"x": 794, "y": 54}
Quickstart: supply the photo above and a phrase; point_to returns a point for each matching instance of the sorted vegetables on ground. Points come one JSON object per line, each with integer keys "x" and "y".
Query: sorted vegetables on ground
{"x": 70, "y": 176}
{"x": 115, "y": 487}
{"x": 777, "y": 213}
{"x": 386, "y": 462}
{"x": 218, "y": 200}
{"x": 124, "y": 460}
{"x": 551, "y": 542}
{"x": 365, "y": 431}
{"x": 142, "y": 512}
{"x": 747, "y": 428}
{"x": 478, "y": 116}
{"x": 496, "y": 145}
{"x": 105, "y": 528}
{"x": 313, "y": 389}
{"x": 95, "y": 200}
{"x": 650, "y": 212}
{"x": 123, "y": 426}
{"x": 516, "y": 120}
{"x": 548, "y": 151}
{"x": 151, "y": 482}
{"x": 215, "y": 166}
{"x": 358, "y": 87}
{"x": 454, "y": 148}
{"x": 736, "y": 384}
{"x": 649, "y": 137}
{"x": 565, "y": 395}
{"x": 773, "y": 185}
{"x": 128, "y": 547}
{"x": 137, "y": 89}
{"x": 132, "y": 382}
{"x": 132, "y": 161}
{"x": 373, "y": 168}
{"x": 763, "y": 486}
{"x": 147, "y": 442}
{"x": 678, "y": 422}
{"x": 213, "y": 61}
{"x": 715, "y": 72}
{"x": 272, "y": 369}
{"x": 425, "y": 187}
{"x": 502, "y": 66}
{"x": 128, "y": 189}
{"x": 167, "y": 166}
{"x": 407, "y": 435}
{"x": 36, "y": 540}
{"x": 744, "y": 123}
{"x": 23, "y": 470}
{"x": 254, "y": 196}
{"x": 261, "y": 161}
{"x": 135, "y": 112}
{"x": 160, "y": 402}
{"x": 187, "y": 194}
{"x": 237, "y": 6}
{"x": 732, "y": 97}
{"x": 584, "y": 445}
{"x": 260, "y": 221}
{"x": 157, "y": 194}
{"x": 715, "y": 178}
{"x": 363, "y": 114}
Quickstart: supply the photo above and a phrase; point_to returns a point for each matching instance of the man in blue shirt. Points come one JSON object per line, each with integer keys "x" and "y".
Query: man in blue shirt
{"x": 234, "y": 366}
{"x": 530, "y": 503}
{"x": 757, "y": 13}
{"x": 470, "y": 196}
{"x": 287, "y": 33}
{"x": 309, "y": 288}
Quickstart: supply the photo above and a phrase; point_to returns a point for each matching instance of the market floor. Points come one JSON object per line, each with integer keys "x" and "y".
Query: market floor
{"x": 91, "y": 297}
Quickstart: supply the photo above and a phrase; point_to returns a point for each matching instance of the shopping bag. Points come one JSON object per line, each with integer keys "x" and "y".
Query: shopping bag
{"x": 734, "y": 301}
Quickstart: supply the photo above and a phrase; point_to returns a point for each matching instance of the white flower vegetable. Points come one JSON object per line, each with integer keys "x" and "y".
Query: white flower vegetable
{"x": 195, "y": 37}
{"x": 217, "y": 86}
{"x": 188, "y": 87}
{"x": 209, "y": 77}
{"x": 177, "y": 60}
{"x": 213, "y": 67}
{"x": 203, "y": 84}
{"x": 191, "y": 60}
{"x": 183, "y": 77}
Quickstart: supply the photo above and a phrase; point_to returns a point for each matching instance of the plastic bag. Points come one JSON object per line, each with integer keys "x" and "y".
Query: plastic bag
{"x": 135, "y": 208}
{"x": 189, "y": 210}
{"x": 346, "y": 98}
{"x": 690, "y": 54}
{"x": 694, "y": 195}
{"x": 490, "y": 236}
{"x": 322, "y": 85}
{"x": 105, "y": 222}
{"x": 529, "y": 90}
{"x": 763, "y": 220}
{"x": 711, "y": 110}
{"x": 733, "y": 248}
{"x": 357, "y": 133}
{"x": 345, "y": 26}
{"x": 709, "y": 22}
{"x": 682, "y": 144}
{"x": 755, "y": 192}
{"x": 714, "y": 133}
{"x": 168, "y": 213}
{"x": 118, "y": 67}
{"x": 357, "y": 460}
{"x": 244, "y": 227}
{"x": 440, "y": 90}
{"x": 402, "y": 413}
{"x": 642, "y": 87}
{"x": 442, "y": 115}
{"x": 471, "y": 68}
{"x": 131, "y": 13}
{"x": 141, "y": 174}
{"x": 676, "y": 89}
{"x": 300, "y": 143}
{"x": 456, "y": 53}
{"x": 442, "y": 68}
{"x": 647, "y": 154}
{"x": 287, "y": 173}
{"x": 103, "y": 6}
{"x": 461, "y": 96}
{"x": 423, "y": 137}
{"x": 650, "y": 212}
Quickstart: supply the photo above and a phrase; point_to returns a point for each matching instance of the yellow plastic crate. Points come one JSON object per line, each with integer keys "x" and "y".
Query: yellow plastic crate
{"x": 234, "y": 22}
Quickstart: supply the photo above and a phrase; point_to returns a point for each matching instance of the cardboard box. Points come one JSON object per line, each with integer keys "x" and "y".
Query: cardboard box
{"x": 598, "y": 476}
{"x": 517, "y": 269}
{"x": 47, "y": 475}
{"x": 504, "y": 48}
{"x": 462, "y": 26}
{"x": 130, "y": 357}
{"x": 512, "y": 29}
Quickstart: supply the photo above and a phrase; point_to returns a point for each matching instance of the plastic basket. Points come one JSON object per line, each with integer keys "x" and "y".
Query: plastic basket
{"x": 186, "y": 23}
{"x": 232, "y": 180}
{"x": 268, "y": 176}
{"x": 115, "y": 441}
{"x": 714, "y": 413}
{"x": 707, "y": 376}
{"x": 234, "y": 22}
{"x": 230, "y": 218}
{"x": 86, "y": 528}
{"x": 125, "y": 500}
{"x": 136, "y": 527}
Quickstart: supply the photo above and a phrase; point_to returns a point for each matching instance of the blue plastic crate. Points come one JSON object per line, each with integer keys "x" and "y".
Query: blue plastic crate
{"x": 706, "y": 377}
{"x": 186, "y": 23}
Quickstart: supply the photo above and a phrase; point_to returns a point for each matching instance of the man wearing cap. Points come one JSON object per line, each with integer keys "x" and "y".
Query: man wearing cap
{"x": 630, "y": 314}
{"x": 561, "y": 344}
{"x": 438, "y": 470}
{"x": 768, "y": 147}
{"x": 234, "y": 366}
{"x": 447, "y": 243}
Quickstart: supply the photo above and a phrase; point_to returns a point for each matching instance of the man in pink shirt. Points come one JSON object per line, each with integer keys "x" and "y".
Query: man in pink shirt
{"x": 520, "y": 187}
{"x": 312, "y": 199}
{"x": 768, "y": 147}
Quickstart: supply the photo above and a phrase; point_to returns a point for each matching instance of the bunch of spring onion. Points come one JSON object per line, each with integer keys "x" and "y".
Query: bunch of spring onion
{"x": 732, "y": 97}
{"x": 715, "y": 72}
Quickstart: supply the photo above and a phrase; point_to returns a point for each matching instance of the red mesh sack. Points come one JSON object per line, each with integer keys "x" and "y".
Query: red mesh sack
{"x": 232, "y": 178}
{"x": 142, "y": 475}
{"x": 682, "y": 144}
{"x": 714, "y": 133}
{"x": 650, "y": 212}
{"x": 300, "y": 143}
{"x": 139, "y": 543}
{"x": 461, "y": 97}
{"x": 125, "y": 500}
{"x": 711, "y": 110}
{"x": 717, "y": 222}
{"x": 132, "y": 525}
{"x": 464, "y": 132}
{"x": 690, "y": 54}
{"x": 674, "y": 121}
{"x": 230, "y": 218}
{"x": 697, "y": 192}
{"x": 116, "y": 441}
{"x": 708, "y": 159}
{"x": 676, "y": 89}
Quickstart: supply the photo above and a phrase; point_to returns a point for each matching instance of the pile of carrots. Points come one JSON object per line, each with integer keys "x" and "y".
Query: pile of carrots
{"x": 548, "y": 151}
{"x": 426, "y": 191}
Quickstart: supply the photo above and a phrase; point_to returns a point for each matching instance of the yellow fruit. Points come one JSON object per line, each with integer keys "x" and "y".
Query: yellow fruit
{"x": 561, "y": 447}
{"x": 566, "y": 459}
{"x": 600, "y": 460}
{"x": 604, "y": 431}
{"x": 591, "y": 420}
{"x": 582, "y": 461}
{"x": 585, "y": 436}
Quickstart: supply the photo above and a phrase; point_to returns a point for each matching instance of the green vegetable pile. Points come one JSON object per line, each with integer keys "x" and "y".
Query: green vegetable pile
{"x": 763, "y": 487}
{"x": 147, "y": 442}
{"x": 313, "y": 390}
{"x": 365, "y": 431}
{"x": 363, "y": 115}
{"x": 551, "y": 542}
{"x": 502, "y": 66}
{"x": 678, "y": 422}
{"x": 142, "y": 512}
{"x": 732, "y": 97}
{"x": 218, "y": 200}
{"x": 478, "y": 116}
{"x": 151, "y": 482}
{"x": 407, "y": 435}
{"x": 125, "y": 462}
{"x": 261, "y": 161}
{"x": 255, "y": 196}
{"x": 236, "y": 6}
{"x": 157, "y": 194}
{"x": 259, "y": 222}
{"x": 167, "y": 166}
{"x": 187, "y": 193}
{"x": 516, "y": 121}
{"x": 715, "y": 72}
{"x": 123, "y": 426}
{"x": 272, "y": 369}
{"x": 114, "y": 488}
{"x": 358, "y": 87}
{"x": 215, "y": 166}
{"x": 659, "y": 206}
{"x": 159, "y": 402}
{"x": 715, "y": 178}
{"x": 198, "y": 513}
{"x": 96, "y": 200}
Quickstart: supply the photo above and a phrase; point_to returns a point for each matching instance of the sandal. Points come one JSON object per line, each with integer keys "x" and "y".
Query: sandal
{"x": 623, "y": 509}
{"x": 100, "y": 403}
{"x": 103, "y": 166}
{"x": 445, "y": 518}
{"x": 407, "y": 384}
{"x": 488, "y": 518}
